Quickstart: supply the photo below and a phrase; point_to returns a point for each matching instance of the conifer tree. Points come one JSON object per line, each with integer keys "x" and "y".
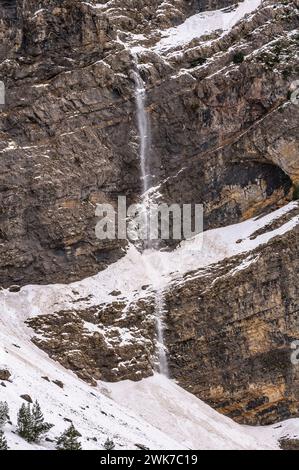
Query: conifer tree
{"x": 39, "y": 426}
{"x": 69, "y": 439}
{"x": 4, "y": 414}
{"x": 25, "y": 423}
{"x": 31, "y": 424}
{"x": 3, "y": 441}
{"x": 109, "y": 444}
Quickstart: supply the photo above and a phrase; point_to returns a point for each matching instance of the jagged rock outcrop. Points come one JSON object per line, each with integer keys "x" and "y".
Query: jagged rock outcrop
{"x": 289, "y": 444}
{"x": 135, "y": 16}
{"x": 230, "y": 333}
{"x": 62, "y": 158}
{"x": 101, "y": 343}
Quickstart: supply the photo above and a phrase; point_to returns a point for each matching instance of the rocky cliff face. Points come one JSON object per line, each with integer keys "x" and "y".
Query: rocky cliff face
{"x": 101, "y": 342}
{"x": 230, "y": 334}
{"x": 224, "y": 133}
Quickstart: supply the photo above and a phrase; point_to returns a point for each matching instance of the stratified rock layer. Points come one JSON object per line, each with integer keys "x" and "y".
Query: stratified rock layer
{"x": 230, "y": 333}
{"x": 102, "y": 342}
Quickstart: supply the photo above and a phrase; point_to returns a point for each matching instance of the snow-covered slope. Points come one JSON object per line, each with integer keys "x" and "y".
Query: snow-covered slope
{"x": 205, "y": 23}
{"x": 154, "y": 412}
{"x": 92, "y": 412}
{"x": 134, "y": 270}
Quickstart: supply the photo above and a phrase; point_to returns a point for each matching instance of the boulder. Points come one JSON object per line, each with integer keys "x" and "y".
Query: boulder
{"x": 27, "y": 398}
{"x": 5, "y": 374}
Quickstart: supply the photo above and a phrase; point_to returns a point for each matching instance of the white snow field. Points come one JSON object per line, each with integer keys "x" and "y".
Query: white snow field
{"x": 205, "y": 23}
{"x": 154, "y": 412}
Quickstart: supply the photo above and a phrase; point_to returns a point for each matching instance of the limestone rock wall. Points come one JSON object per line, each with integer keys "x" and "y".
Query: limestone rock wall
{"x": 230, "y": 333}
{"x": 68, "y": 129}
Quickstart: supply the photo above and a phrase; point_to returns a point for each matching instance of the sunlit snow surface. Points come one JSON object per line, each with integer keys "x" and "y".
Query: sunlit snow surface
{"x": 205, "y": 23}
{"x": 154, "y": 412}
{"x": 135, "y": 270}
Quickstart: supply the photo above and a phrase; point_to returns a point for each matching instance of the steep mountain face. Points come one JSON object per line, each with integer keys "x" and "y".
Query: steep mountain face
{"x": 222, "y": 133}
{"x": 230, "y": 331}
{"x": 219, "y": 97}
